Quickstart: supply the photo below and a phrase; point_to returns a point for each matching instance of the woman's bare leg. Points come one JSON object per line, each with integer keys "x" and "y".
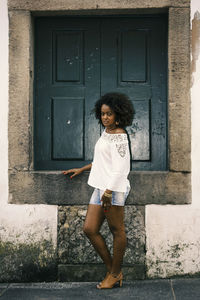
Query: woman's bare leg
{"x": 94, "y": 219}
{"x": 115, "y": 218}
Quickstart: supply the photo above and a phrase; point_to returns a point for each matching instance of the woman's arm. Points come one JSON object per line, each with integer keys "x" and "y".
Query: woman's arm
{"x": 77, "y": 171}
{"x": 87, "y": 167}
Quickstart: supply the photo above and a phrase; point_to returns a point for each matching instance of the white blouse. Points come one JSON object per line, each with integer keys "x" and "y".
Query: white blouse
{"x": 111, "y": 163}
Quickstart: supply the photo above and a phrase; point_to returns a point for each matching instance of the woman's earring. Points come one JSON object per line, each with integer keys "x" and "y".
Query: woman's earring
{"x": 117, "y": 123}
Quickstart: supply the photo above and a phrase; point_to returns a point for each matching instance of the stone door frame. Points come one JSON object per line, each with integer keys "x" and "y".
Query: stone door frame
{"x": 35, "y": 187}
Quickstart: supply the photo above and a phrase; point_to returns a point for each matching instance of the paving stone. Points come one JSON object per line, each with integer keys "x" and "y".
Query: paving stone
{"x": 160, "y": 289}
{"x": 187, "y": 289}
{"x": 151, "y": 290}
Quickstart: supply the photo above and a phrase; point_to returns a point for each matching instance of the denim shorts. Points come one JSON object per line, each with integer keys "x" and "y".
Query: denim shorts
{"x": 118, "y": 198}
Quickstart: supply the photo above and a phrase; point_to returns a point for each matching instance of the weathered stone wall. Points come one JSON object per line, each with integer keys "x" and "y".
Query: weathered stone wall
{"x": 173, "y": 235}
{"x": 35, "y": 261}
{"x": 28, "y": 243}
{"x": 75, "y": 249}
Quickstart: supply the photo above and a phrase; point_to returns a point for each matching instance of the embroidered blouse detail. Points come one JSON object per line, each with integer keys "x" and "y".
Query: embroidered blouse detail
{"x": 121, "y": 148}
{"x": 114, "y": 137}
{"x": 111, "y": 163}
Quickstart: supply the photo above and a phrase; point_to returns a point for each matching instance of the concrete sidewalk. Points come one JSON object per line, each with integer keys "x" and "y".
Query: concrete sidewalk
{"x": 162, "y": 289}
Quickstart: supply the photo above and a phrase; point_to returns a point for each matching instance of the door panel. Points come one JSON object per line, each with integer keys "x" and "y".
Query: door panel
{"x": 132, "y": 56}
{"x": 68, "y": 56}
{"x": 139, "y": 131}
{"x": 67, "y": 137}
{"x": 79, "y": 59}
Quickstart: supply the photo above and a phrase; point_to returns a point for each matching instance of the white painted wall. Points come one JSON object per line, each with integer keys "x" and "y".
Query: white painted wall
{"x": 173, "y": 232}
{"x": 18, "y": 223}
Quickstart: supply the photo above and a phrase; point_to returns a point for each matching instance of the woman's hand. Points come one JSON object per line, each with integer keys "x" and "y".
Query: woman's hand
{"x": 74, "y": 171}
{"x": 106, "y": 201}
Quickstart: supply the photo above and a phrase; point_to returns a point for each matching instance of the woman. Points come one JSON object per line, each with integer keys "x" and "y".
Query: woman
{"x": 108, "y": 176}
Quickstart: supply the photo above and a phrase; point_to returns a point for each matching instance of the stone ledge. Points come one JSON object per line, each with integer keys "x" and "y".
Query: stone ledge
{"x": 96, "y": 272}
{"x": 42, "y": 5}
{"x": 52, "y": 187}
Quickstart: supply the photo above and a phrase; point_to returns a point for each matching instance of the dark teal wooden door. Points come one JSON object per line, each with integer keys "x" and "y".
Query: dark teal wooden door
{"x": 79, "y": 59}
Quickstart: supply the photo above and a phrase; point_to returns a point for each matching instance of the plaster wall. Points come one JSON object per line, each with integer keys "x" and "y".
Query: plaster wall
{"x": 18, "y": 223}
{"x": 173, "y": 235}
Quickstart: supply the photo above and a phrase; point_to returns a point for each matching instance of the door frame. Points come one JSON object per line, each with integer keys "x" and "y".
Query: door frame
{"x": 29, "y": 186}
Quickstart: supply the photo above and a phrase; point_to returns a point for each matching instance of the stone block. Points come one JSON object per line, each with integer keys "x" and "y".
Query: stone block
{"x": 179, "y": 90}
{"x": 42, "y": 5}
{"x": 75, "y": 249}
{"x": 19, "y": 85}
{"x": 160, "y": 188}
{"x": 96, "y": 272}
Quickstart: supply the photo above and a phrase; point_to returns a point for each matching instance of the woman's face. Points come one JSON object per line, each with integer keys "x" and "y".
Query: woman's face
{"x": 107, "y": 116}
